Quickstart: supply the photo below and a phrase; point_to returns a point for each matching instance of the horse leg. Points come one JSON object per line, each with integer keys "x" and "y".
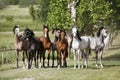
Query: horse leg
{"x": 37, "y": 59}
{"x": 17, "y": 58}
{"x": 74, "y": 51}
{"x": 52, "y": 58}
{"x": 64, "y": 58}
{"x": 43, "y": 58}
{"x": 83, "y": 56}
{"x": 101, "y": 52}
{"x": 96, "y": 51}
{"x": 41, "y": 54}
{"x": 59, "y": 59}
{"x": 79, "y": 53}
{"x": 23, "y": 60}
{"x": 34, "y": 54}
{"x": 87, "y": 56}
{"x": 48, "y": 57}
{"x": 29, "y": 57}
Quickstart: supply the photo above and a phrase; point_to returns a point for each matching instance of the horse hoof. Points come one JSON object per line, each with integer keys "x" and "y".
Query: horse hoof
{"x": 74, "y": 67}
{"x": 101, "y": 66}
{"x": 96, "y": 65}
{"x": 58, "y": 67}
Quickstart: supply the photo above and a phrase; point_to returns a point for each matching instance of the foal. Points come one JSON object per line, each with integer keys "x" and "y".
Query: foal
{"x": 62, "y": 46}
{"x": 20, "y": 45}
{"x": 46, "y": 43}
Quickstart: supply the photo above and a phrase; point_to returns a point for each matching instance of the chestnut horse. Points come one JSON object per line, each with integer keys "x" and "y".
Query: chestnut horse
{"x": 20, "y": 45}
{"x": 46, "y": 43}
{"x": 62, "y": 47}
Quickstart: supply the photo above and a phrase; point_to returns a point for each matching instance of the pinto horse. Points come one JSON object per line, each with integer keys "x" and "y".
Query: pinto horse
{"x": 20, "y": 45}
{"x": 46, "y": 43}
{"x": 62, "y": 47}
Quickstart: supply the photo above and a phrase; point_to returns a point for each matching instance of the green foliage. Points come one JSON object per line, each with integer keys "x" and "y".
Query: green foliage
{"x": 59, "y": 15}
{"x": 32, "y": 12}
{"x": 42, "y": 10}
{"x": 90, "y": 12}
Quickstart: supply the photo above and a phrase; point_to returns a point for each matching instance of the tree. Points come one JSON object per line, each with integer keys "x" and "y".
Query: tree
{"x": 90, "y": 12}
{"x": 59, "y": 15}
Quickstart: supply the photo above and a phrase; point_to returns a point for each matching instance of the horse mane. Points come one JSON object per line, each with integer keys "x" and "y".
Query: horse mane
{"x": 31, "y": 32}
{"x": 98, "y": 33}
{"x": 78, "y": 36}
{"x": 55, "y": 29}
{"x": 16, "y": 26}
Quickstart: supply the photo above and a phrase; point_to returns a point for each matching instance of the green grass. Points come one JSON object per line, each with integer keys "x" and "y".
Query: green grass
{"x": 13, "y": 14}
{"x": 111, "y": 61}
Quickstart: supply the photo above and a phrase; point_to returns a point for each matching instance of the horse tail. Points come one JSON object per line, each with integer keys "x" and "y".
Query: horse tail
{"x": 89, "y": 47}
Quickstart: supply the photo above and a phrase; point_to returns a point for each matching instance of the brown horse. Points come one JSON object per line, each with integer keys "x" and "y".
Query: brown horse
{"x": 62, "y": 47}
{"x": 46, "y": 42}
{"x": 20, "y": 45}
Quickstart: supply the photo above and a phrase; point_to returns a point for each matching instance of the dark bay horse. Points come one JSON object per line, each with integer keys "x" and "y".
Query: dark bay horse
{"x": 46, "y": 43}
{"x": 20, "y": 45}
{"x": 62, "y": 47}
{"x": 34, "y": 46}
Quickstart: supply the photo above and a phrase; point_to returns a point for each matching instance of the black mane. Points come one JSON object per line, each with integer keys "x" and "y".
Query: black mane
{"x": 30, "y": 31}
{"x": 78, "y": 36}
{"x": 98, "y": 33}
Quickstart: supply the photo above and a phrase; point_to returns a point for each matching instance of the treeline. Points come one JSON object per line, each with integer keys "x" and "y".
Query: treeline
{"x": 90, "y": 13}
{"x": 22, "y": 3}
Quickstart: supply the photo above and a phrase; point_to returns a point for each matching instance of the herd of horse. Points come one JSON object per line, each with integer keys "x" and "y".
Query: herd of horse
{"x": 35, "y": 48}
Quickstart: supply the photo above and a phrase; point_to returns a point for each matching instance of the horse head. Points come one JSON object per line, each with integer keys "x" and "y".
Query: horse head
{"x": 16, "y": 29}
{"x": 27, "y": 33}
{"x": 62, "y": 34}
{"x": 56, "y": 32}
{"x": 45, "y": 30}
{"x": 102, "y": 31}
{"x": 75, "y": 33}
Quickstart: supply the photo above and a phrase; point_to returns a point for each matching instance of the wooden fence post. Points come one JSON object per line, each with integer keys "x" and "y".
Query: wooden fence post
{"x": 3, "y": 56}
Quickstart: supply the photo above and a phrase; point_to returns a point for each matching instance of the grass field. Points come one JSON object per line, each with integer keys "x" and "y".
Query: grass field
{"x": 111, "y": 61}
{"x": 13, "y": 14}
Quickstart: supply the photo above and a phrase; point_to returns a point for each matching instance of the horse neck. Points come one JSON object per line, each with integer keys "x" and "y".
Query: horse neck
{"x": 17, "y": 39}
{"x": 46, "y": 35}
{"x": 101, "y": 38}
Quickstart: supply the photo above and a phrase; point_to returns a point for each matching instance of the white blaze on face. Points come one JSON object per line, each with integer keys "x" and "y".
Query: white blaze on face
{"x": 46, "y": 32}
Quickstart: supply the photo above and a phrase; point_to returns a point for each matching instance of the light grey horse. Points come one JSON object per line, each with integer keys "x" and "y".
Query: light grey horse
{"x": 80, "y": 45}
{"x": 97, "y": 44}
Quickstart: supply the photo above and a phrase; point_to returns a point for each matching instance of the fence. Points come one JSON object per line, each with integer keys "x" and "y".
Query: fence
{"x": 3, "y": 52}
